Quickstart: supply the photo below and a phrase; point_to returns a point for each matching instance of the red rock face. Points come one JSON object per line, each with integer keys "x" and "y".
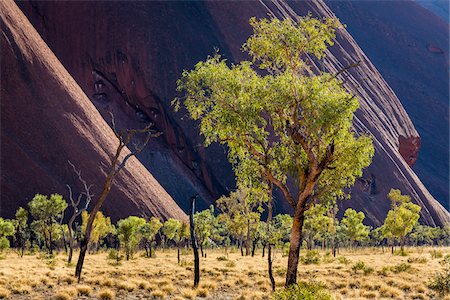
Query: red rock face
{"x": 410, "y": 47}
{"x": 47, "y": 120}
{"x": 127, "y": 56}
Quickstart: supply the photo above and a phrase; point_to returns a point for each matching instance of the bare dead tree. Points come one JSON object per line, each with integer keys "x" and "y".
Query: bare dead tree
{"x": 194, "y": 242}
{"x": 77, "y": 207}
{"x": 124, "y": 137}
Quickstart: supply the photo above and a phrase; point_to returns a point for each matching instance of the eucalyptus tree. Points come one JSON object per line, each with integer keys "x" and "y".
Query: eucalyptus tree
{"x": 176, "y": 231}
{"x": 317, "y": 223}
{"x": 22, "y": 232}
{"x": 402, "y": 217}
{"x": 6, "y": 230}
{"x": 283, "y": 120}
{"x": 129, "y": 233}
{"x": 204, "y": 226}
{"x": 244, "y": 208}
{"x": 353, "y": 227}
{"x": 149, "y": 231}
{"x": 101, "y": 227}
{"x": 46, "y": 211}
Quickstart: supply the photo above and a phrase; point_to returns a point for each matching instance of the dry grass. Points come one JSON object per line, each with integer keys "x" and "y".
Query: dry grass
{"x": 237, "y": 277}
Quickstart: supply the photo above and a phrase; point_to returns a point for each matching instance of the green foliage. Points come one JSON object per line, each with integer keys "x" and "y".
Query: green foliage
{"x": 311, "y": 257}
{"x": 4, "y": 244}
{"x": 343, "y": 260}
{"x": 307, "y": 117}
{"x": 129, "y": 234}
{"x": 361, "y": 266}
{"x": 47, "y": 209}
{"x": 317, "y": 225}
{"x": 21, "y": 228}
{"x": 402, "y": 217}
{"x": 6, "y": 228}
{"x": 280, "y": 229}
{"x": 101, "y": 227}
{"x": 440, "y": 283}
{"x": 401, "y": 267}
{"x": 113, "y": 257}
{"x": 204, "y": 222}
{"x": 46, "y": 212}
{"x": 303, "y": 291}
{"x": 149, "y": 231}
{"x": 353, "y": 227}
{"x": 358, "y": 266}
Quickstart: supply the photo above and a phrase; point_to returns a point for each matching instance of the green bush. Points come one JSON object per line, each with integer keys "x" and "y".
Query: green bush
{"x": 344, "y": 260}
{"x": 230, "y": 264}
{"x": 311, "y": 257}
{"x": 384, "y": 271}
{"x": 222, "y": 258}
{"x": 401, "y": 267}
{"x": 359, "y": 266}
{"x": 113, "y": 257}
{"x": 368, "y": 270}
{"x": 440, "y": 283}
{"x": 303, "y": 291}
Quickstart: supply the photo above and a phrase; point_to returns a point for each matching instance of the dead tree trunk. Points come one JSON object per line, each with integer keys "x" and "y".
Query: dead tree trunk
{"x": 194, "y": 243}
{"x": 76, "y": 207}
{"x": 124, "y": 137}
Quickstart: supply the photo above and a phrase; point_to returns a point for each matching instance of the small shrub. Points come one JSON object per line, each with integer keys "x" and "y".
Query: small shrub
{"x": 230, "y": 264}
{"x": 113, "y": 257}
{"x": 311, "y": 257}
{"x": 304, "y": 291}
{"x": 368, "y": 270}
{"x": 384, "y": 271}
{"x": 417, "y": 260}
{"x": 359, "y": 266}
{"x": 343, "y": 260}
{"x": 436, "y": 254}
{"x": 106, "y": 294}
{"x": 222, "y": 258}
{"x": 401, "y": 267}
{"x": 440, "y": 283}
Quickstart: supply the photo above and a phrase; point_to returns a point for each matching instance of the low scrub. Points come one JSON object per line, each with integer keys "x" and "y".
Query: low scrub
{"x": 361, "y": 266}
{"x": 304, "y": 291}
{"x": 401, "y": 267}
{"x": 311, "y": 257}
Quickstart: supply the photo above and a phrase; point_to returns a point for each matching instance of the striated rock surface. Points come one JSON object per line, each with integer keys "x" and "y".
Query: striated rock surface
{"x": 410, "y": 47}
{"x": 127, "y": 56}
{"x": 46, "y": 119}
